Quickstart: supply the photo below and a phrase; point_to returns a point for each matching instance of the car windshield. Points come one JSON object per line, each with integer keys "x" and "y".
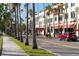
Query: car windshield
{"x": 69, "y": 33}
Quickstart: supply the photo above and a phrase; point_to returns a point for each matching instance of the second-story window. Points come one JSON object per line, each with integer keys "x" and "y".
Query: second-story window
{"x": 66, "y": 16}
{"x": 50, "y": 19}
{"x": 66, "y": 5}
{"x": 55, "y": 19}
{"x": 72, "y": 4}
{"x": 72, "y": 14}
{"x": 60, "y": 18}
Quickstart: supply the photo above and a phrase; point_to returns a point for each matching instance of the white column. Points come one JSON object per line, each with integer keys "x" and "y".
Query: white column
{"x": 69, "y": 12}
{"x": 53, "y": 25}
{"x": 63, "y": 24}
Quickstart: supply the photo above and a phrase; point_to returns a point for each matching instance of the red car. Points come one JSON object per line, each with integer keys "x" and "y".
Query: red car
{"x": 68, "y": 36}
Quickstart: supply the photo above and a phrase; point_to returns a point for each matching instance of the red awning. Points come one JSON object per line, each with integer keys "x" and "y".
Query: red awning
{"x": 56, "y": 26}
{"x": 39, "y": 29}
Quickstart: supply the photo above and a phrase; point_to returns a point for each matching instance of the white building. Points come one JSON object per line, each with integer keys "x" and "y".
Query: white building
{"x": 58, "y": 23}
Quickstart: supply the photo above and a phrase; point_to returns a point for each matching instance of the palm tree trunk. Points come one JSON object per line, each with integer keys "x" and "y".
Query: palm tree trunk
{"x": 66, "y": 22}
{"x": 20, "y": 25}
{"x": 15, "y": 26}
{"x": 11, "y": 29}
{"x": 44, "y": 20}
{"x": 58, "y": 21}
{"x": 49, "y": 26}
{"x": 53, "y": 27}
{"x": 27, "y": 42}
{"x": 34, "y": 33}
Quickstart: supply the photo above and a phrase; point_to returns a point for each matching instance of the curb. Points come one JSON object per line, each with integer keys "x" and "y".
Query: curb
{"x": 48, "y": 51}
{"x": 55, "y": 54}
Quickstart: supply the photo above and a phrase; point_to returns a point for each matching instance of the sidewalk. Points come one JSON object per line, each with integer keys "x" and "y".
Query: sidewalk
{"x": 11, "y": 49}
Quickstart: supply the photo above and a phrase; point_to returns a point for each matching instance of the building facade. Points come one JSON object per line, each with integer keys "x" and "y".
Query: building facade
{"x": 59, "y": 21}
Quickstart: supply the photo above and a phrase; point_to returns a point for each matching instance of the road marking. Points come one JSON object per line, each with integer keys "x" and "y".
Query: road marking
{"x": 65, "y": 45}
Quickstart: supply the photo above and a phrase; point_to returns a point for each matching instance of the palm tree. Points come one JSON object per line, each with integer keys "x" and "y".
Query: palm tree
{"x": 7, "y": 19}
{"x": 54, "y": 11}
{"x": 66, "y": 16}
{"x": 15, "y": 8}
{"x": 21, "y": 38}
{"x": 31, "y": 12}
{"x": 27, "y": 42}
{"x": 34, "y": 33}
{"x": 8, "y": 22}
{"x": 60, "y": 7}
{"x": 45, "y": 21}
{"x": 31, "y": 16}
{"x": 2, "y": 26}
{"x": 49, "y": 9}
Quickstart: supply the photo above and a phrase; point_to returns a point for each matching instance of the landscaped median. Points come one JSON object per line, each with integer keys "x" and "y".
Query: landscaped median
{"x": 30, "y": 51}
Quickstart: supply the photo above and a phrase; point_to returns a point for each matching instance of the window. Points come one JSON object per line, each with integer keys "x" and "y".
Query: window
{"x": 61, "y": 11}
{"x": 37, "y": 18}
{"x": 51, "y": 30}
{"x": 41, "y": 16}
{"x": 66, "y": 16}
{"x": 55, "y": 18}
{"x": 60, "y": 18}
{"x": 66, "y": 5}
{"x": 72, "y": 4}
{"x": 51, "y": 20}
{"x": 72, "y": 14}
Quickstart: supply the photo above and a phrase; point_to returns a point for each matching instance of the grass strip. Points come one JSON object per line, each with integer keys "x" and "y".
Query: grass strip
{"x": 30, "y": 51}
{"x": 1, "y": 40}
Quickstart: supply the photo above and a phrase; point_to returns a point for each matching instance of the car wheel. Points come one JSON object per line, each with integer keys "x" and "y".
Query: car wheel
{"x": 68, "y": 40}
{"x": 61, "y": 39}
{"x": 74, "y": 40}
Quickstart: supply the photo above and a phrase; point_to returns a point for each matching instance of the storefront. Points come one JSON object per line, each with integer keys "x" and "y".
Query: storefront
{"x": 40, "y": 31}
{"x": 59, "y": 28}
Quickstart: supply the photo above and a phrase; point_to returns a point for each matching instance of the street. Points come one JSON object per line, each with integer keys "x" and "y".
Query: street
{"x": 61, "y": 48}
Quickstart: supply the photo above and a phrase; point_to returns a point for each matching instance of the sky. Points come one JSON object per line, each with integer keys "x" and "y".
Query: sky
{"x": 38, "y": 7}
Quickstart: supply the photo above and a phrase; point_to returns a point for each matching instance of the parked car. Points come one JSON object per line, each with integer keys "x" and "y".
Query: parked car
{"x": 68, "y": 36}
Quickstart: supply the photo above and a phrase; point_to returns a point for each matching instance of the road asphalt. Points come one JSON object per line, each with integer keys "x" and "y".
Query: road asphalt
{"x": 61, "y": 48}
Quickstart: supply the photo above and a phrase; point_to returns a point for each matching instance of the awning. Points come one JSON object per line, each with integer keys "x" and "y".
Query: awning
{"x": 40, "y": 29}
{"x": 56, "y": 26}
